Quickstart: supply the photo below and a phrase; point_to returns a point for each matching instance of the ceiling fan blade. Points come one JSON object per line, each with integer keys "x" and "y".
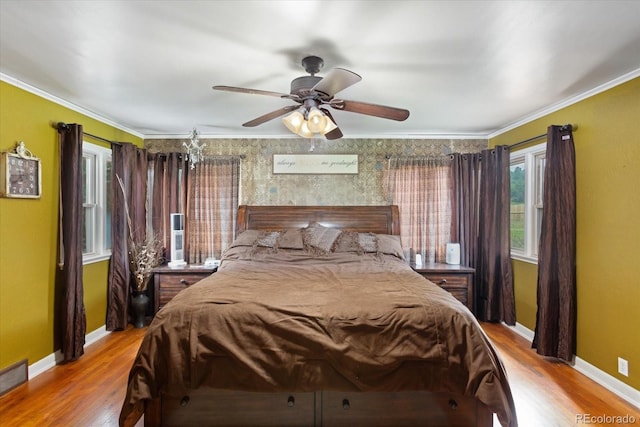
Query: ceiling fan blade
{"x": 382, "y": 111}
{"x": 270, "y": 116}
{"x": 251, "y": 91}
{"x": 335, "y": 133}
{"x": 335, "y": 80}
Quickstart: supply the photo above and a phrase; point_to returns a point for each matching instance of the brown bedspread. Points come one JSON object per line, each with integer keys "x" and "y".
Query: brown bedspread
{"x": 286, "y": 320}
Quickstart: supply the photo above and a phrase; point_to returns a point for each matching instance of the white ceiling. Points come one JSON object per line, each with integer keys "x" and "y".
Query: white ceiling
{"x": 463, "y": 68}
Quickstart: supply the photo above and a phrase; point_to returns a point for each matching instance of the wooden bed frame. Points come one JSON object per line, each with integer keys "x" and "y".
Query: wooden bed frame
{"x": 320, "y": 408}
{"x": 364, "y": 219}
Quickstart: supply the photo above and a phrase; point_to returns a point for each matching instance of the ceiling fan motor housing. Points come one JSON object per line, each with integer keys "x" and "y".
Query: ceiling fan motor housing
{"x": 302, "y": 85}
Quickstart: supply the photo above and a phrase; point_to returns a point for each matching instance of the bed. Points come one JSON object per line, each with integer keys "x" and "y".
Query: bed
{"x": 314, "y": 318}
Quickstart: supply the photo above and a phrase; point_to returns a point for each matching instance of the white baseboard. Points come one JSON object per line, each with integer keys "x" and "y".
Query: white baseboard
{"x": 42, "y": 365}
{"x": 522, "y": 331}
{"x": 94, "y": 336}
{"x": 53, "y": 359}
{"x": 609, "y": 382}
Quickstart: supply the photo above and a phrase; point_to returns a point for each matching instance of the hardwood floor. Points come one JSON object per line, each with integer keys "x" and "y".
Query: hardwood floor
{"x": 87, "y": 392}
{"x": 550, "y": 393}
{"x": 90, "y": 391}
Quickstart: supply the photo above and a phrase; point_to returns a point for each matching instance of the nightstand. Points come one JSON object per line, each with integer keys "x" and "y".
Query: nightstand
{"x": 456, "y": 279}
{"x": 167, "y": 282}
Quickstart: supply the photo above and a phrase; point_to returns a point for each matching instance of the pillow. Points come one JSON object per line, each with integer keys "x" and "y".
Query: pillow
{"x": 390, "y": 244}
{"x": 368, "y": 242}
{"x": 319, "y": 239}
{"x": 268, "y": 239}
{"x": 291, "y": 239}
{"x": 348, "y": 242}
{"x": 246, "y": 238}
{"x": 256, "y": 238}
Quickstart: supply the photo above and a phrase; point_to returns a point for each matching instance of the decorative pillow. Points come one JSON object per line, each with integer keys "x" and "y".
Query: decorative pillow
{"x": 319, "y": 239}
{"x": 390, "y": 244}
{"x": 291, "y": 239}
{"x": 246, "y": 238}
{"x": 368, "y": 242}
{"x": 348, "y": 242}
{"x": 268, "y": 239}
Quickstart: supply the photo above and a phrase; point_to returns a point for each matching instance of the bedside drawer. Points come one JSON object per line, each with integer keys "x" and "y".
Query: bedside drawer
{"x": 448, "y": 281}
{"x": 458, "y": 285}
{"x": 455, "y": 279}
{"x": 180, "y": 280}
{"x": 168, "y": 282}
{"x": 170, "y": 285}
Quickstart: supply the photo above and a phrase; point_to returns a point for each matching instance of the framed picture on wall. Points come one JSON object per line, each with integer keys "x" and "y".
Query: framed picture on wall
{"x": 315, "y": 164}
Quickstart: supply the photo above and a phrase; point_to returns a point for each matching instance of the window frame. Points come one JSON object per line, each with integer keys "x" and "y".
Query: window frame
{"x": 533, "y": 208}
{"x": 96, "y": 181}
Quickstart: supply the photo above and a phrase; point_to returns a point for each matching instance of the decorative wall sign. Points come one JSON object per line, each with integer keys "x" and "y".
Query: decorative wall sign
{"x": 336, "y": 164}
{"x": 20, "y": 174}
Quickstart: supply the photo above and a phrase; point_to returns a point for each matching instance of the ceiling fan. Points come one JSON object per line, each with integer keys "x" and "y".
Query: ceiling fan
{"x": 312, "y": 93}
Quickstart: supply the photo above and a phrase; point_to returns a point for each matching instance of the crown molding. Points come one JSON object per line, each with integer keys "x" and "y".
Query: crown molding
{"x": 428, "y": 135}
{"x": 41, "y": 93}
{"x": 567, "y": 102}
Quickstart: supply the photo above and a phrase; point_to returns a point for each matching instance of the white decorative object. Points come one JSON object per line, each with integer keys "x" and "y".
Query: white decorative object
{"x": 177, "y": 241}
{"x": 211, "y": 263}
{"x": 453, "y": 253}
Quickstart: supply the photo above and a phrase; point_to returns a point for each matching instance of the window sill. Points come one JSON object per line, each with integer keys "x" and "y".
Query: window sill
{"x": 90, "y": 259}
{"x": 524, "y": 258}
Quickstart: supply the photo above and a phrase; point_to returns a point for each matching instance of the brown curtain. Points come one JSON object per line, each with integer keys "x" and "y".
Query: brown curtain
{"x": 555, "y": 331}
{"x": 169, "y": 192}
{"x": 494, "y": 275}
{"x": 466, "y": 205}
{"x": 72, "y": 317}
{"x": 422, "y": 189}
{"x": 130, "y": 164}
{"x": 213, "y": 190}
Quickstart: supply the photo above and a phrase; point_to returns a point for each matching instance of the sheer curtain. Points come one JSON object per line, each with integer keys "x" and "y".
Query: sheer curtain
{"x": 422, "y": 189}
{"x": 555, "y": 332}
{"x": 130, "y": 164}
{"x": 72, "y": 316}
{"x": 213, "y": 193}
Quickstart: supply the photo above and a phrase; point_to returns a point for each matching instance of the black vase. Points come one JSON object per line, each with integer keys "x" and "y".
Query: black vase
{"x": 139, "y": 304}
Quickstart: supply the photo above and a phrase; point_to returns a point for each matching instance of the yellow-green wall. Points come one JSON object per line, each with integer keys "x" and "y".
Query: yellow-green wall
{"x": 607, "y": 144}
{"x": 28, "y": 231}
{"x": 608, "y": 201}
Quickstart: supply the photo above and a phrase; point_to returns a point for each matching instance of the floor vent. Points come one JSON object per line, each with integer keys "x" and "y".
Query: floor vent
{"x": 14, "y": 375}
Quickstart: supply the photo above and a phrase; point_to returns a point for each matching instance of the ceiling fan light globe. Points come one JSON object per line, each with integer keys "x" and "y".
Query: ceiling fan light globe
{"x": 304, "y": 130}
{"x": 329, "y": 127}
{"x": 317, "y": 121}
{"x": 293, "y": 121}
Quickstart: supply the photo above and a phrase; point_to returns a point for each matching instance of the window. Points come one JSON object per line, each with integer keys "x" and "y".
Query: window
{"x": 422, "y": 188}
{"x": 96, "y": 202}
{"x": 527, "y": 182}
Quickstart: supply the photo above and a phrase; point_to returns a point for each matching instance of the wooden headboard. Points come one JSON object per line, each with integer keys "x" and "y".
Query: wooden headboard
{"x": 363, "y": 219}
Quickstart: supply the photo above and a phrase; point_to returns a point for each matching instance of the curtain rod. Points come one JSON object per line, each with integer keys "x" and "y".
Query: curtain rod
{"x": 62, "y": 125}
{"x": 212, "y": 156}
{"x": 567, "y": 127}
